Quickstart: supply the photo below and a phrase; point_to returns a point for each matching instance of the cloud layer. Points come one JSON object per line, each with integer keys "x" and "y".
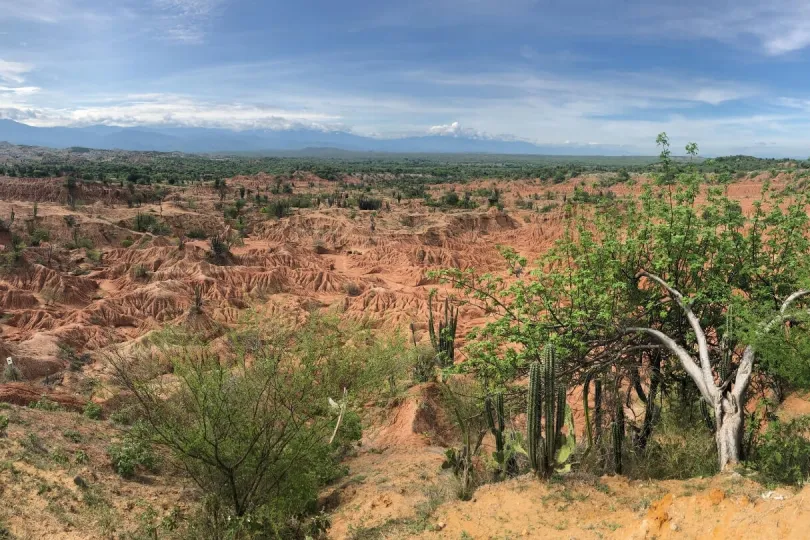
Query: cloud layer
{"x": 730, "y": 76}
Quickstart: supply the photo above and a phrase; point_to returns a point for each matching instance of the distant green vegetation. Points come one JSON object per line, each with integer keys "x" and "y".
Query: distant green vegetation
{"x": 406, "y": 172}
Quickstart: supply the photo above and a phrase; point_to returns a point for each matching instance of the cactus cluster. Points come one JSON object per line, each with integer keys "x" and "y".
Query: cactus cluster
{"x": 547, "y": 409}
{"x": 443, "y": 335}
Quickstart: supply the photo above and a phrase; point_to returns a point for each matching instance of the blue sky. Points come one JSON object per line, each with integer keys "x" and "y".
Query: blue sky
{"x": 731, "y": 75}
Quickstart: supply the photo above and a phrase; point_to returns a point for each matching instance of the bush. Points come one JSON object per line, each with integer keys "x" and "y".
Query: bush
{"x": 92, "y": 410}
{"x": 39, "y": 235}
{"x": 3, "y": 425}
{"x": 197, "y": 234}
{"x": 151, "y": 224}
{"x": 782, "y": 454}
{"x": 369, "y": 204}
{"x": 278, "y": 209}
{"x": 252, "y": 425}
{"x": 133, "y": 452}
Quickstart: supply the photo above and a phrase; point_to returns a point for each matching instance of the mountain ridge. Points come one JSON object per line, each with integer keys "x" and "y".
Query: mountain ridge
{"x": 216, "y": 140}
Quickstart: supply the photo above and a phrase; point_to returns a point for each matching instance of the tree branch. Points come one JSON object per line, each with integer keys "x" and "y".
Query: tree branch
{"x": 687, "y": 361}
{"x": 700, "y": 335}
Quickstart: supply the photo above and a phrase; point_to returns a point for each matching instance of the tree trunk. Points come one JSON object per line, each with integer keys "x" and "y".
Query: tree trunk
{"x": 730, "y": 427}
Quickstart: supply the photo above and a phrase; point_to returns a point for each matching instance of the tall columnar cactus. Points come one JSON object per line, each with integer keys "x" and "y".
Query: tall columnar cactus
{"x": 617, "y": 428}
{"x": 497, "y": 424}
{"x": 533, "y": 416}
{"x": 443, "y": 335}
{"x": 550, "y": 400}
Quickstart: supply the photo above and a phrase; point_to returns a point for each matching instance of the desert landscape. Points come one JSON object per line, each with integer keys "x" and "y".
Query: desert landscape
{"x": 95, "y": 268}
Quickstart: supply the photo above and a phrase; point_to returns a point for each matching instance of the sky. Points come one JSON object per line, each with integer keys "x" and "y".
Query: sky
{"x": 730, "y": 75}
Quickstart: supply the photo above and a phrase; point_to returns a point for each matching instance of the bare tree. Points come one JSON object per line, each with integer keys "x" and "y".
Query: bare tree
{"x": 726, "y": 397}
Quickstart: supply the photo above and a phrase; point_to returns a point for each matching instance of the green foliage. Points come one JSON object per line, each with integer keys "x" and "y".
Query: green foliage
{"x": 197, "y": 234}
{"x": 92, "y": 410}
{"x": 3, "y": 425}
{"x": 134, "y": 451}
{"x": 254, "y": 427}
{"x": 220, "y": 251}
{"x": 585, "y": 293}
{"x": 782, "y": 453}
{"x": 39, "y": 235}
{"x": 151, "y": 224}
{"x": 364, "y": 203}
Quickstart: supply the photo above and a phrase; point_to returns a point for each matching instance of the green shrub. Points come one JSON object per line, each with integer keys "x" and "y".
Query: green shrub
{"x": 92, "y": 410}
{"x": 132, "y": 452}
{"x": 39, "y": 235}
{"x": 127, "y": 242}
{"x": 197, "y": 234}
{"x": 3, "y": 425}
{"x": 45, "y": 404}
{"x": 72, "y": 435}
{"x": 151, "y": 224}
{"x": 255, "y": 431}
{"x": 782, "y": 454}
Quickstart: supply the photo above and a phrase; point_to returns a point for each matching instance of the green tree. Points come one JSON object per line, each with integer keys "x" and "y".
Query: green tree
{"x": 640, "y": 292}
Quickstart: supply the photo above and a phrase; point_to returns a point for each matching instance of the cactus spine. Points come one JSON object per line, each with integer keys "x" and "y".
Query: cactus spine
{"x": 533, "y": 415}
{"x": 497, "y": 424}
{"x": 443, "y": 334}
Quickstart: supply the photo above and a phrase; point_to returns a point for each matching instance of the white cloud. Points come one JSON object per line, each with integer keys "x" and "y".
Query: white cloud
{"x": 13, "y": 72}
{"x": 173, "y": 110}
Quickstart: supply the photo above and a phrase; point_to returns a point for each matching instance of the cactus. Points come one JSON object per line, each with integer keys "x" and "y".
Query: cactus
{"x": 533, "y": 415}
{"x": 550, "y": 399}
{"x": 443, "y": 335}
{"x": 617, "y": 428}
{"x": 497, "y": 424}
{"x": 547, "y": 401}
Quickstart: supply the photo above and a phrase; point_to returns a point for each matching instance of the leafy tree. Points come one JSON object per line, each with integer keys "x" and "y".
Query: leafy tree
{"x": 641, "y": 292}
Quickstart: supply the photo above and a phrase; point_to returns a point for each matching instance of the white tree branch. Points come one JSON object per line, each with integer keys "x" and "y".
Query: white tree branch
{"x": 700, "y": 335}
{"x": 743, "y": 375}
{"x": 687, "y": 361}
{"x": 792, "y": 298}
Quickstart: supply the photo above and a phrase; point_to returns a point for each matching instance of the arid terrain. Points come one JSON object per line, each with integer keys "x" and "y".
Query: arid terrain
{"x": 104, "y": 277}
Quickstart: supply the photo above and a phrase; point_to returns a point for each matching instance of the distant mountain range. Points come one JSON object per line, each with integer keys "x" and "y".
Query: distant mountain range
{"x": 210, "y": 140}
